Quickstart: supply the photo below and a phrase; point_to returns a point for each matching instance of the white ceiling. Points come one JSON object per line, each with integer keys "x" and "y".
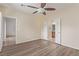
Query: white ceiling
{"x": 26, "y": 9}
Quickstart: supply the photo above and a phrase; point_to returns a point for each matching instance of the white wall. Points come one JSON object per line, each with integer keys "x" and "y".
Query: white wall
{"x": 44, "y": 32}
{"x": 28, "y": 25}
{"x": 69, "y": 25}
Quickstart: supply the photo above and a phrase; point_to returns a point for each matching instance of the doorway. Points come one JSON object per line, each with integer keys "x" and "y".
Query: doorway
{"x": 51, "y": 30}
{"x": 9, "y": 31}
{"x": 56, "y": 33}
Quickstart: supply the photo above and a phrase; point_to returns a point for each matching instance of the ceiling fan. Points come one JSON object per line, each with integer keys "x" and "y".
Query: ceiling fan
{"x": 41, "y": 10}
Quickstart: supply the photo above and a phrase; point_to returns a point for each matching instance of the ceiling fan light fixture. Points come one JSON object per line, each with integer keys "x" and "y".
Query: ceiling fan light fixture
{"x": 41, "y": 10}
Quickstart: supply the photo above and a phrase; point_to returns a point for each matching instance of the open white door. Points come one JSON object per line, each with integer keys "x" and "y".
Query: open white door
{"x": 57, "y": 38}
{"x": 1, "y": 36}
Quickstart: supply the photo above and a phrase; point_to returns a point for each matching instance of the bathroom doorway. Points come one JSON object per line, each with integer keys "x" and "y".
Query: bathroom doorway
{"x": 56, "y": 31}
{"x": 53, "y": 32}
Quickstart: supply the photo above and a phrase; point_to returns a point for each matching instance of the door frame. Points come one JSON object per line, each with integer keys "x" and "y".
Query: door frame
{"x": 16, "y": 24}
{"x": 1, "y": 37}
{"x": 57, "y": 30}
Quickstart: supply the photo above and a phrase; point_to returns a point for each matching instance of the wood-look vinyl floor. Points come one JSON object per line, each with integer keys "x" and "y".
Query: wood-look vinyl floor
{"x": 38, "y": 48}
{"x": 9, "y": 41}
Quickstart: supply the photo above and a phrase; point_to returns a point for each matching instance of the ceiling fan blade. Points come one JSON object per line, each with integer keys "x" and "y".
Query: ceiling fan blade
{"x": 44, "y": 13}
{"x": 43, "y": 5}
{"x": 32, "y": 6}
{"x": 35, "y": 12}
{"x": 49, "y": 9}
